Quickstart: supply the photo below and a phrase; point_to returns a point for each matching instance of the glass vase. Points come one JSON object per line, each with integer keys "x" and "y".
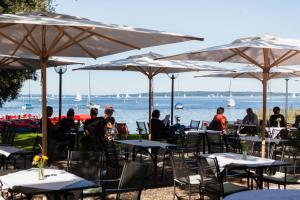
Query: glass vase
{"x": 244, "y": 155}
{"x": 41, "y": 174}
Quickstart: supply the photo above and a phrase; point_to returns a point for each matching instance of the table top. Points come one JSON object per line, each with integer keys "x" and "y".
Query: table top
{"x": 145, "y": 143}
{"x": 236, "y": 160}
{"x": 26, "y": 181}
{"x": 8, "y": 150}
{"x": 265, "y": 195}
{"x": 245, "y": 125}
{"x": 195, "y": 131}
{"x": 258, "y": 139}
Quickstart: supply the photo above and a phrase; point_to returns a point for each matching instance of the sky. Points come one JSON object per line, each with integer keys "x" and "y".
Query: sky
{"x": 219, "y": 22}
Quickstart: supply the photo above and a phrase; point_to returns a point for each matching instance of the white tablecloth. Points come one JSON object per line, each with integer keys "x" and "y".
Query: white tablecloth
{"x": 55, "y": 179}
{"x": 266, "y": 195}
{"x": 7, "y": 150}
{"x": 225, "y": 159}
{"x": 195, "y": 132}
{"x": 145, "y": 143}
{"x": 258, "y": 139}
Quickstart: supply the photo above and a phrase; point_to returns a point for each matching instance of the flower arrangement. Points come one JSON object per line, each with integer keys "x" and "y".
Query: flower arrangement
{"x": 39, "y": 160}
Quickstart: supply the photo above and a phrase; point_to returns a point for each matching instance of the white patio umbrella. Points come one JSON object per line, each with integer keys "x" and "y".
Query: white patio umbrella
{"x": 147, "y": 65}
{"x": 257, "y": 73}
{"x": 50, "y": 34}
{"x": 264, "y": 52}
{"x": 31, "y": 63}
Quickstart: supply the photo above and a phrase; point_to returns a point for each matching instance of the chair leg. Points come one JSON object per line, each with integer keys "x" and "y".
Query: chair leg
{"x": 189, "y": 191}
{"x": 174, "y": 191}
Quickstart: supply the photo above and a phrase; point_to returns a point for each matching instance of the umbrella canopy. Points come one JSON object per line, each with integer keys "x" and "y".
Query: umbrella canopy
{"x": 265, "y": 52}
{"x": 30, "y": 62}
{"x": 147, "y": 65}
{"x": 50, "y": 34}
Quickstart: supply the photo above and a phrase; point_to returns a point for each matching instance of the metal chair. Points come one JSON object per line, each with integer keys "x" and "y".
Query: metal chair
{"x": 212, "y": 181}
{"x": 132, "y": 180}
{"x": 194, "y": 124}
{"x": 141, "y": 127}
{"x": 215, "y": 141}
{"x": 183, "y": 175}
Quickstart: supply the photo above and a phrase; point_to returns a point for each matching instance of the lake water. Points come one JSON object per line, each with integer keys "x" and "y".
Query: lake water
{"x": 131, "y": 109}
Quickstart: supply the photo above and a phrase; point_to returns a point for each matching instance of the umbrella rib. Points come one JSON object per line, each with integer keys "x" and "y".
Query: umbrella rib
{"x": 246, "y": 57}
{"x": 286, "y": 58}
{"x": 281, "y": 57}
{"x": 17, "y": 43}
{"x": 233, "y": 55}
{"x": 6, "y": 25}
{"x": 34, "y": 44}
{"x": 272, "y": 55}
{"x": 159, "y": 70}
{"x": 58, "y": 36}
{"x": 273, "y": 75}
{"x": 111, "y": 39}
{"x": 4, "y": 60}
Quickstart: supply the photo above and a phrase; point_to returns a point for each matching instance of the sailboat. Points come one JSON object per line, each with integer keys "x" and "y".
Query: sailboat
{"x": 294, "y": 95}
{"x": 78, "y": 97}
{"x": 28, "y": 105}
{"x": 184, "y": 96}
{"x": 52, "y": 97}
{"x": 118, "y": 96}
{"x": 230, "y": 100}
{"x": 89, "y": 102}
{"x": 140, "y": 96}
{"x": 127, "y": 96}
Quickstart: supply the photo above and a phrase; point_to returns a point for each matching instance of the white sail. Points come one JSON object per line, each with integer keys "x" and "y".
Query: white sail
{"x": 118, "y": 96}
{"x": 89, "y": 102}
{"x": 140, "y": 95}
{"x": 184, "y": 96}
{"x": 294, "y": 95}
{"x": 231, "y": 102}
{"x": 78, "y": 97}
{"x": 127, "y": 95}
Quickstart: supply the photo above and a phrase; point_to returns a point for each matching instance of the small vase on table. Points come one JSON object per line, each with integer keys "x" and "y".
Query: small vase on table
{"x": 41, "y": 174}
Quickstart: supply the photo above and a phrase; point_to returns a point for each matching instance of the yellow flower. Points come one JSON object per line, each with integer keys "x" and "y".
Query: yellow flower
{"x": 44, "y": 157}
{"x": 36, "y": 158}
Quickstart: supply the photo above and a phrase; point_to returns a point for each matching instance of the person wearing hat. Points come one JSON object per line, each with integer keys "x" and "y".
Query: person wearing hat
{"x": 108, "y": 112}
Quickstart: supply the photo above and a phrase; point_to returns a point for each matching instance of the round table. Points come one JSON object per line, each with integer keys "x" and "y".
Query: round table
{"x": 265, "y": 195}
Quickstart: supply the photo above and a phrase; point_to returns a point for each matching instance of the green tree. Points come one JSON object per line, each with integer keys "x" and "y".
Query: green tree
{"x": 11, "y": 81}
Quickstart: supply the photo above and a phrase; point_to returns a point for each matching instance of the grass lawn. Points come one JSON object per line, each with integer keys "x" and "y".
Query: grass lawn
{"x": 26, "y": 140}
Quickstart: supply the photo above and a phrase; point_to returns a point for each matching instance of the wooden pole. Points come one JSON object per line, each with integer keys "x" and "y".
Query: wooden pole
{"x": 286, "y": 98}
{"x": 264, "y": 115}
{"x": 44, "y": 102}
{"x": 150, "y": 104}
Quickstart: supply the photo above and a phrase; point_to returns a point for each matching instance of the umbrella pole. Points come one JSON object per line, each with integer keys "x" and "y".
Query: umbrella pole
{"x": 44, "y": 102}
{"x": 286, "y": 98}
{"x": 264, "y": 115}
{"x": 150, "y": 105}
{"x": 172, "y": 98}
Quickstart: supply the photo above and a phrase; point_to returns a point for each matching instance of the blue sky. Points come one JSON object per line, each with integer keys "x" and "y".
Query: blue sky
{"x": 219, "y": 22}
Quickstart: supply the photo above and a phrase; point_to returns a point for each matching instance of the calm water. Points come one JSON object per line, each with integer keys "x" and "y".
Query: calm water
{"x": 131, "y": 109}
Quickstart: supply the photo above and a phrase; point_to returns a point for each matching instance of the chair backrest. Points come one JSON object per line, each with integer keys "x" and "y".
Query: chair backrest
{"x": 233, "y": 143}
{"x": 122, "y": 130}
{"x": 195, "y": 124}
{"x": 37, "y": 141}
{"x": 215, "y": 126}
{"x": 141, "y": 127}
{"x": 215, "y": 141}
{"x": 133, "y": 178}
{"x": 86, "y": 164}
{"x": 204, "y": 125}
{"x": 210, "y": 175}
{"x": 192, "y": 142}
{"x": 181, "y": 172}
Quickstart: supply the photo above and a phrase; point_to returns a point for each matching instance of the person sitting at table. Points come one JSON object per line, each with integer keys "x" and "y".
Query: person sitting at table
{"x": 219, "y": 122}
{"x": 108, "y": 112}
{"x": 94, "y": 128}
{"x": 277, "y": 119}
{"x": 158, "y": 129}
{"x": 251, "y": 119}
{"x": 65, "y": 126}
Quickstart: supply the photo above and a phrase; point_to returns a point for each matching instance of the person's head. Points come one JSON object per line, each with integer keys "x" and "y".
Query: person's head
{"x": 108, "y": 111}
{"x": 71, "y": 113}
{"x": 93, "y": 112}
{"x": 276, "y": 110}
{"x": 155, "y": 114}
{"x": 49, "y": 111}
{"x": 220, "y": 110}
{"x": 249, "y": 111}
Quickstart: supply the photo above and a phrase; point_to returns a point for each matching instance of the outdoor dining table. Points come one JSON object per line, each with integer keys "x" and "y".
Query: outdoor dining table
{"x": 7, "y": 151}
{"x": 147, "y": 146}
{"x": 56, "y": 182}
{"x": 265, "y": 195}
{"x": 236, "y": 161}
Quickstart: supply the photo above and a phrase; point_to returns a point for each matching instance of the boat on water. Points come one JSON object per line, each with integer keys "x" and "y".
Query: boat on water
{"x": 27, "y": 106}
{"x": 78, "y": 97}
{"x": 184, "y": 95}
{"x": 140, "y": 96}
{"x": 294, "y": 95}
{"x": 230, "y": 101}
{"x": 118, "y": 96}
{"x": 52, "y": 97}
{"x": 127, "y": 96}
{"x": 178, "y": 105}
{"x": 90, "y": 104}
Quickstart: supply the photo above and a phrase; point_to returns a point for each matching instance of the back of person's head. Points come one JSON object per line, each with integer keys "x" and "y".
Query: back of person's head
{"x": 276, "y": 110}
{"x": 249, "y": 111}
{"x": 109, "y": 110}
{"x": 220, "y": 110}
{"x": 71, "y": 113}
{"x": 94, "y": 112}
{"x": 49, "y": 111}
{"x": 111, "y": 120}
{"x": 155, "y": 113}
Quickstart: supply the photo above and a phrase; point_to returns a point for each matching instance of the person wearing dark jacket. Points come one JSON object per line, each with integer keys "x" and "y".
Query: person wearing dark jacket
{"x": 65, "y": 126}
{"x": 158, "y": 129}
{"x": 277, "y": 119}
